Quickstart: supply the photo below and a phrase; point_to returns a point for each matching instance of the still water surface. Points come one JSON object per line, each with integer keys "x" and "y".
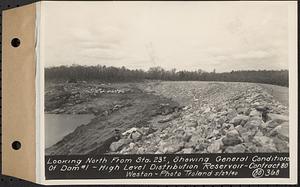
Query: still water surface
{"x": 59, "y": 125}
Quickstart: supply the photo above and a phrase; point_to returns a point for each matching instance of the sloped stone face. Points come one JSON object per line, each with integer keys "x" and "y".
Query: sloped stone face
{"x": 224, "y": 118}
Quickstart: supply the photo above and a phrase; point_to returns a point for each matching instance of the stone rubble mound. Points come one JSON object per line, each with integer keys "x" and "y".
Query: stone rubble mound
{"x": 215, "y": 118}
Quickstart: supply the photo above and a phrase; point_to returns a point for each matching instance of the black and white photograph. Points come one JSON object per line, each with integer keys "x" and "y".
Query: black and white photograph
{"x": 125, "y": 78}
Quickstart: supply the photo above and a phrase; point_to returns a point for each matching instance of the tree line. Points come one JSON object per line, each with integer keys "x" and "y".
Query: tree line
{"x": 114, "y": 74}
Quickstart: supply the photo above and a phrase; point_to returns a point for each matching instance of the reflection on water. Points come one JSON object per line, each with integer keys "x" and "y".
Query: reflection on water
{"x": 59, "y": 125}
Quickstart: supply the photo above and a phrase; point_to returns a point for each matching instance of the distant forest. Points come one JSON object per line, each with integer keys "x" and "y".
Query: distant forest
{"x": 113, "y": 74}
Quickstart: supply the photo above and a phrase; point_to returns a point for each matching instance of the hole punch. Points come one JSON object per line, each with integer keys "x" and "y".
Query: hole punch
{"x": 15, "y": 42}
{"x": 16, "y": 145}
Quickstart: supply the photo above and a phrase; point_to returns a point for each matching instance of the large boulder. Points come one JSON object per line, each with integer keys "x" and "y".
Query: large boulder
{"x": 221, "y": 120}
{"x": 241, "y": 110}
{"x": 171, "y": 145}
{"x": 281, "y": 145}
{"x": 255, "y": 113}
{"x": 135, "y": 136}
{"x": 244, "y": 133}
{"x": 116, "y": 146}
{"x": 227, "y": 126}
{"x": 261, "y": 140}
{"x": 235, "y": 149}
{"x": 215, "y": 147}
{"x": 210, "y": 116}
{"x": 282, "y": 131}
{"x": 262, "y": 108}
{"x": 214, "y": 133}
{"x": 248, "y": 136}
{"x": 130, "y": 131}
{"x": 202, "y": 146}
{"x": 253, "y": 122}
{"x": 250, "y": 147}
{"x": 240, "y": 129}
{"x": 239, "y": 120}
{"x": 264, "y": 144}
{"x": 231, "y": 114}
{"x": 232, "y": 138}
{"x": 195, "y": 140}
{"x": 232, "y": 133}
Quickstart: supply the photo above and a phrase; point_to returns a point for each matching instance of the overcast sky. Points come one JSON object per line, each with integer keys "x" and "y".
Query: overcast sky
{"x": 183, "y": 35}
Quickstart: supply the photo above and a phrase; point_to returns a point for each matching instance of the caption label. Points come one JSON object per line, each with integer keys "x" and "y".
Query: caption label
{"x": 168, "y": 166}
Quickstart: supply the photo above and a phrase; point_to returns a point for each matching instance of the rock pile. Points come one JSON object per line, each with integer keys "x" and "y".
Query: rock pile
{"x": 217, "y": 118}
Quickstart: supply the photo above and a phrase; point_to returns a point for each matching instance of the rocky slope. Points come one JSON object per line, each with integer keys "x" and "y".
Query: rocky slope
{"x": 117, "y": 108}
{"x": 215, "y": 118}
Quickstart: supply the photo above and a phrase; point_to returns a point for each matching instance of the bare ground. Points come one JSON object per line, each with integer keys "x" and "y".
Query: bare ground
{"x": 115, "y": 113}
